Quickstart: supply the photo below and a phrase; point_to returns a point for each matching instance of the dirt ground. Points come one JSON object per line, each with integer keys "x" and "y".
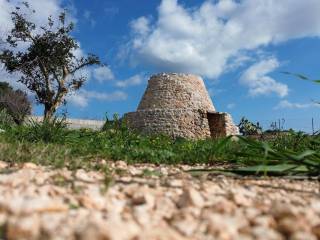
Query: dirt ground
{"x": 142, "y": 202}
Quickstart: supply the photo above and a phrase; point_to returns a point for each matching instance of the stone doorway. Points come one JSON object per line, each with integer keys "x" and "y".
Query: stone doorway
{"x": 217, "y": 124}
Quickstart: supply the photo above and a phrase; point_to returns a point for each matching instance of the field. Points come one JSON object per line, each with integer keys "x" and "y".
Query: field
{"x": 52, "y": 143}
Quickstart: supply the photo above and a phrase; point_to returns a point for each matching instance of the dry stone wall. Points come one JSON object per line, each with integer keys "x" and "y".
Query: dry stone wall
{"x": 74, "y": 123}
{"x": 172, "y": 122}
{"x": 221, "y": 125}
{"x": 178, "y": 105}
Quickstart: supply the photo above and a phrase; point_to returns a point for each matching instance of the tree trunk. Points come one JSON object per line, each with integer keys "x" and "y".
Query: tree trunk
{"x": 48, "y": 112}
{"x": 50, "y": 109}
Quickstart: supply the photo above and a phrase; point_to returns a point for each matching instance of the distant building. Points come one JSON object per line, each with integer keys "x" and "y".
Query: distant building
{"x": 179, "y": 105}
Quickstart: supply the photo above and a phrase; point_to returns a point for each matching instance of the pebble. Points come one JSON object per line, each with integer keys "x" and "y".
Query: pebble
{"x": 41, "y": 203}
{"x": 191, "y": 197}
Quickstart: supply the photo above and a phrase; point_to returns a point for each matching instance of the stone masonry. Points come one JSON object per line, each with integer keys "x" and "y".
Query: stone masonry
{"x": 179, "y": 105}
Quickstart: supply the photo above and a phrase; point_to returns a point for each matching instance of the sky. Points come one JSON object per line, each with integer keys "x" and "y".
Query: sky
{"x": 239, "y": 47}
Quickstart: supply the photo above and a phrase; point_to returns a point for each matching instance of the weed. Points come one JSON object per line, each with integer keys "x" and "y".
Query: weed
{"x": 150, "y": 173}
{"x": 55, "y": 145}
{"x": 120, "y": 172}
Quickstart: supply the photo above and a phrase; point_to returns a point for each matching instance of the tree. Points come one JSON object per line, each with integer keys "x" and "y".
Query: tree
{"x": 14, "y": 102}
{"x": 49, "y": 65}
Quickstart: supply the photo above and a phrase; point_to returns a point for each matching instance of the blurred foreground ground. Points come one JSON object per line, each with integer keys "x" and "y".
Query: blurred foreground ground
{"x": 153, "y": 202}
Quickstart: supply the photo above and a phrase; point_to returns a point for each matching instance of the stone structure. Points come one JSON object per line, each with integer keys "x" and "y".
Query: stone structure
{"x": 179, "y": 105}
{"x": 74, "y": 123}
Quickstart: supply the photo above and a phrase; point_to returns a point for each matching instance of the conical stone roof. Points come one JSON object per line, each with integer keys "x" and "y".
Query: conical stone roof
{"x": 176, "y": 91}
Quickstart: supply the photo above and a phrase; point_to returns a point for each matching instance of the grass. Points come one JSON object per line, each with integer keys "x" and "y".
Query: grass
{"x": 51, "y": 143}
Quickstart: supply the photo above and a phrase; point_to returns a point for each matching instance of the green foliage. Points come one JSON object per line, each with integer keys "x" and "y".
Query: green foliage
{"x": 116, "y": 124}
{"x": 302, "y": 77}
{"x": 278, "y": 160}
{"x": 52, "y": 143}
{"x": 48, "y": 131}
{"x": 5, "y": 119}
{"x": 248, "y": 128}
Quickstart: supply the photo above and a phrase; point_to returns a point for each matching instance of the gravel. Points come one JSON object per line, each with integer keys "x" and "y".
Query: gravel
{"x": 153, "y": 202}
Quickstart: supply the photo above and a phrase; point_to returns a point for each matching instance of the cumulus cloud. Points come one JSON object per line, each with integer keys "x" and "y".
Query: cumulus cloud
{"x": 285, "y": 104}
{"x": 103, "y": 74}
{"x": 132, "y": 81}
{"x": 82, "y": 97}
{"x": 206, "y": 39}
{"x": 43, "y": 9}
{"x": 141, "y": 26}
{"x": 259, "y": 83}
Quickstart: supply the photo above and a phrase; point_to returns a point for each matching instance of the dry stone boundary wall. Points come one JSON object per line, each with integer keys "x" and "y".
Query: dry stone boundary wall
{"x": 76, "y": 123}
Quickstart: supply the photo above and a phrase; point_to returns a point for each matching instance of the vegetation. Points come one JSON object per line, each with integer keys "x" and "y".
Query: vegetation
{"x": 49, "y": 66}
{"x": 14, "y": 103}
{"x": 51, "y": 143}
{"x": 5, "y": 118}
{"x": 247, "y": 128}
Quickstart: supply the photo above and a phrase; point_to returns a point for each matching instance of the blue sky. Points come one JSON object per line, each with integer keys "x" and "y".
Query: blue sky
{"x": 240, "y": 49}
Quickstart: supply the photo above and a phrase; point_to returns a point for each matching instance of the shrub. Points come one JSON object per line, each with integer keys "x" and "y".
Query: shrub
{"x": 16, "y": 104}
{"x": 5, "y": 119}
{"x": 50, "y": 130}
{"x": 248, "y": 128}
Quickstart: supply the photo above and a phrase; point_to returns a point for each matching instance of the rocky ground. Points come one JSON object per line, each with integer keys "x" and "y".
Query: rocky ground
{"x": 153, "y": 202}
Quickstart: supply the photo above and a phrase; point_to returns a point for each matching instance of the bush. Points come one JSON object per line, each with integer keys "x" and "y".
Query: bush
{"x": 15, "y": 102}
{"x": 49, "y": 131}
{"x": 247, "y": 128}
{"x": 5, "y": 119}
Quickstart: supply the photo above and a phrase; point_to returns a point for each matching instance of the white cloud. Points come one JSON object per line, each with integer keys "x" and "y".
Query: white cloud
{"x": 82, "y": 97}
{"x": 132, "y": 81}
{"x": 285, "y": 104}
{"x": 103, "y": 74}
{"x": 231, "y": 105}
{"x": 141, "y": 26}
{"x": 259, "y": 83}
{"x": 43, "y": 9}
{"x": 204, "y": 40}
{"x": 88, "y": 16}
{"x": 79, "y": 100}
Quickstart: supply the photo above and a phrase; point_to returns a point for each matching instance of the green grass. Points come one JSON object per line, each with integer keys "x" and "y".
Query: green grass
{"x": 55, "y": 145}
